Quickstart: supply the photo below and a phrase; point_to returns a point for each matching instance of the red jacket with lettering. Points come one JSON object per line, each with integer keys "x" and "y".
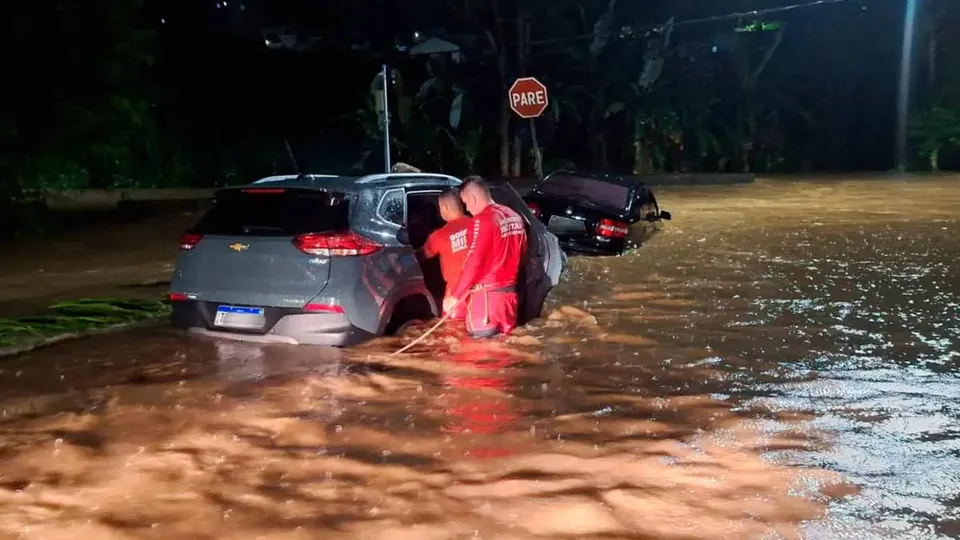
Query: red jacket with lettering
{"x": 451, "y": 242}
{"x": 498, "y": 248}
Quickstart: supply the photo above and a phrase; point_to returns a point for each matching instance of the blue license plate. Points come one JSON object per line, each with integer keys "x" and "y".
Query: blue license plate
{"x": 241, "y": 310}
{"x": 250, "y": 318}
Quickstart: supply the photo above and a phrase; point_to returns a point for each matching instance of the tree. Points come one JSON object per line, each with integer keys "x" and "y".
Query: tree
{"x": 487, "y": 18}
{"x": 934, "y": 130}
{"x": 87, "y": 115}
{"x": 507, "y": 27}
{"x": 584, "y": 32}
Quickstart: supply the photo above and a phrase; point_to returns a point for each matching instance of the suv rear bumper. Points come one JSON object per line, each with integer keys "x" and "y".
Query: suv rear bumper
{"x": 283, "y": 325}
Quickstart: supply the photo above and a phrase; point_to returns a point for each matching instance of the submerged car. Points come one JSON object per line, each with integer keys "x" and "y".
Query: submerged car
{"x": 591, "y": 213}
{"x": 330, "y": 260}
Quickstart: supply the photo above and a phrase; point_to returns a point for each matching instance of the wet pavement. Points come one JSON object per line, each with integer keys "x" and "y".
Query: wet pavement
{"x": 780, "y": 361}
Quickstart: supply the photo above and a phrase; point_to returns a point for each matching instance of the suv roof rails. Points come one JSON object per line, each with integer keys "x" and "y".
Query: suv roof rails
{"x": 370, "y": 178}
{"x": 282, "y": 177}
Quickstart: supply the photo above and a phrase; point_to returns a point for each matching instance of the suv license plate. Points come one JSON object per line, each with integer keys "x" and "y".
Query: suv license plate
{"x": 239, "y": 317}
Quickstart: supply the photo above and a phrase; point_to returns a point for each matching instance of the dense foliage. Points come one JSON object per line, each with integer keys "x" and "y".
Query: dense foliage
{"x": 126, "y": 93}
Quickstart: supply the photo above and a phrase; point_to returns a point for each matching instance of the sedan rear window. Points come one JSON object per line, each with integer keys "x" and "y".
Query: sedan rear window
{"x": 590, "y": 190}
{"x": 274, "y": 212}
{"x": 506, "y": 195}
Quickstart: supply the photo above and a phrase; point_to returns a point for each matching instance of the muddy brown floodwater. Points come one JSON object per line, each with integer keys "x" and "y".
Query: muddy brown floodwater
{"x": 780, "y": 361}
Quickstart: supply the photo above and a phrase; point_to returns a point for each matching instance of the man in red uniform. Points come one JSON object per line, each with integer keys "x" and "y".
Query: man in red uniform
{"x": 488, "y": 282}
{"x": 451, "y": 243}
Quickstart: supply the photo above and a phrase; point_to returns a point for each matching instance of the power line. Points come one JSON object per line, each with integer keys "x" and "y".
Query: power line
{"x": 688, "y": 22}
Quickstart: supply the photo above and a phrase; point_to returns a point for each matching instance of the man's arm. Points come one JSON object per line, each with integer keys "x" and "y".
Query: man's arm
{"x": 430, "y": 249}
{"x": 476, "y": 258}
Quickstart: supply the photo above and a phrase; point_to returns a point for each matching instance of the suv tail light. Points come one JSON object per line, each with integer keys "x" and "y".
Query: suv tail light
{"x": 323, "y": 308}
{"x": 189, "y": 241}
{"x": 342, "y": 244}
{"x": 535, "y": 209}
{"x": 609, "y": 228}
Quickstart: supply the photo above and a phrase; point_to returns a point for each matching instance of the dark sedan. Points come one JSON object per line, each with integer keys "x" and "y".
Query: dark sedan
{"x": 592, "y": 212}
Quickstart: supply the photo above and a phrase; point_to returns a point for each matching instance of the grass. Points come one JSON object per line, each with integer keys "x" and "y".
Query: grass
{"x": 77, "y": 317}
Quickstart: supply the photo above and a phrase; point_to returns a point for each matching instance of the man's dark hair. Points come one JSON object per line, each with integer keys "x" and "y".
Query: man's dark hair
{"x": 477, "y": 181}
{"x": 452, "y": 196}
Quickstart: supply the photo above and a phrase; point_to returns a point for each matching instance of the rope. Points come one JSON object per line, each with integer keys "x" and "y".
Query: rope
{"x": 427, "y": 333}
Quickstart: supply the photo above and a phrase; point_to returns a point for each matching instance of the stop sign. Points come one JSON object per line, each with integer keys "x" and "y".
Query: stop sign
{"x": 528, "y": 97}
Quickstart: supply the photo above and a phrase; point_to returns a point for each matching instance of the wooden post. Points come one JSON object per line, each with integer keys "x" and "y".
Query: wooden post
{"x": 537, "y": 154}
{"x": 523, "y": 31}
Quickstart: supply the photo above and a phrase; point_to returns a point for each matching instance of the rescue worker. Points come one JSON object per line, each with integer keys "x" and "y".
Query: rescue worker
{"x": 451, "y": 242}
{"x": 488, "y": 282}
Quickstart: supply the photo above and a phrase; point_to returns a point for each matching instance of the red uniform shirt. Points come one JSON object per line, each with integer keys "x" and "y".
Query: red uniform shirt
{"x": 451, "y": 242}
{"x": 498, "y": 247}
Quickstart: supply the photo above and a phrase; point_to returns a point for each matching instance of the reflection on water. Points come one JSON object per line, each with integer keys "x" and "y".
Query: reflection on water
{"x": 779, "y": 362}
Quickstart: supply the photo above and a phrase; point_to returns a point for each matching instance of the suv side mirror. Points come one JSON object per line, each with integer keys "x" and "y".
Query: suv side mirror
{"x": 403, "y": 236}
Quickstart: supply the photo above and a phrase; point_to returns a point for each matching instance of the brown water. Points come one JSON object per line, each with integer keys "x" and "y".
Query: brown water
{"x": 113, "y": 260}
{"x": 778, "y": 362}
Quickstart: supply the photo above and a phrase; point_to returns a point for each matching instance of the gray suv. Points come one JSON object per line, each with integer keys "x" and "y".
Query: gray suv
{"x": 330, "y": 260}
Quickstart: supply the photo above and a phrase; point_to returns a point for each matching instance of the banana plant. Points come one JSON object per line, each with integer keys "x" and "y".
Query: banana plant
{"x": 593, "y": 99}
{"x": 456, "y": 107}
{"x": 469, "y": 145}
{"x": 416, "y": 133}
{"x": 657, "y": 137}
{"x": 934, "y": 130}
{"x": 441, "y": 110}
{"x": 623, "y": 86}
{"x": 369, "y": 119}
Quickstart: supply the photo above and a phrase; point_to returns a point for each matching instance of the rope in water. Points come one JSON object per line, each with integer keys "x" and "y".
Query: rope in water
{"x": 425, "y": 334}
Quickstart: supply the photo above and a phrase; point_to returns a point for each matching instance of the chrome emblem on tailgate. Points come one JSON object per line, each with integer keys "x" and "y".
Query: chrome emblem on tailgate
{"x": 239, "y": 247}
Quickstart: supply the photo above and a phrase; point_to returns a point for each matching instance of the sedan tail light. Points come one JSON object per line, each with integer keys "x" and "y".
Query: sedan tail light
{"x": 341, "y": 244}
{"x": 189, "y": 241}
{"x": 535, "y": 209}
{"x": 609, "y": 228}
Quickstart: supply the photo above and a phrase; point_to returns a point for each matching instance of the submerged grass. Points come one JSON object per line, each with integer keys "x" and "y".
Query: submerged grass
{"x": 78, "y": 317}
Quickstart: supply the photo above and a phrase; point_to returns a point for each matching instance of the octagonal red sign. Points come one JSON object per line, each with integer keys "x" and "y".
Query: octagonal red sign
{"x": 528, "y": 97}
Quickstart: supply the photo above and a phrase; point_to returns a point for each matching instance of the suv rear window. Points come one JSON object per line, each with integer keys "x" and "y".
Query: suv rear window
{"x": 268, "y": 213}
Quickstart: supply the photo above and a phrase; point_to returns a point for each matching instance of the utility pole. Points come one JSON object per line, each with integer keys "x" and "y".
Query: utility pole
{"x": 906, "y": 81}
{"x": 385, "y": 75}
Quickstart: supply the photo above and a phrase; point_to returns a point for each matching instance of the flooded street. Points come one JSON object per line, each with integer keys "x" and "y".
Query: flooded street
{"x": 780, "y": 361}
{"x": 103, "y": 260}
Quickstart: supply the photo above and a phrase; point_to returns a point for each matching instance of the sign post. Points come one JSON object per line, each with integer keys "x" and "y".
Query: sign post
{"x": 528, "y": 99}
{"x": 385, "y": 75}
